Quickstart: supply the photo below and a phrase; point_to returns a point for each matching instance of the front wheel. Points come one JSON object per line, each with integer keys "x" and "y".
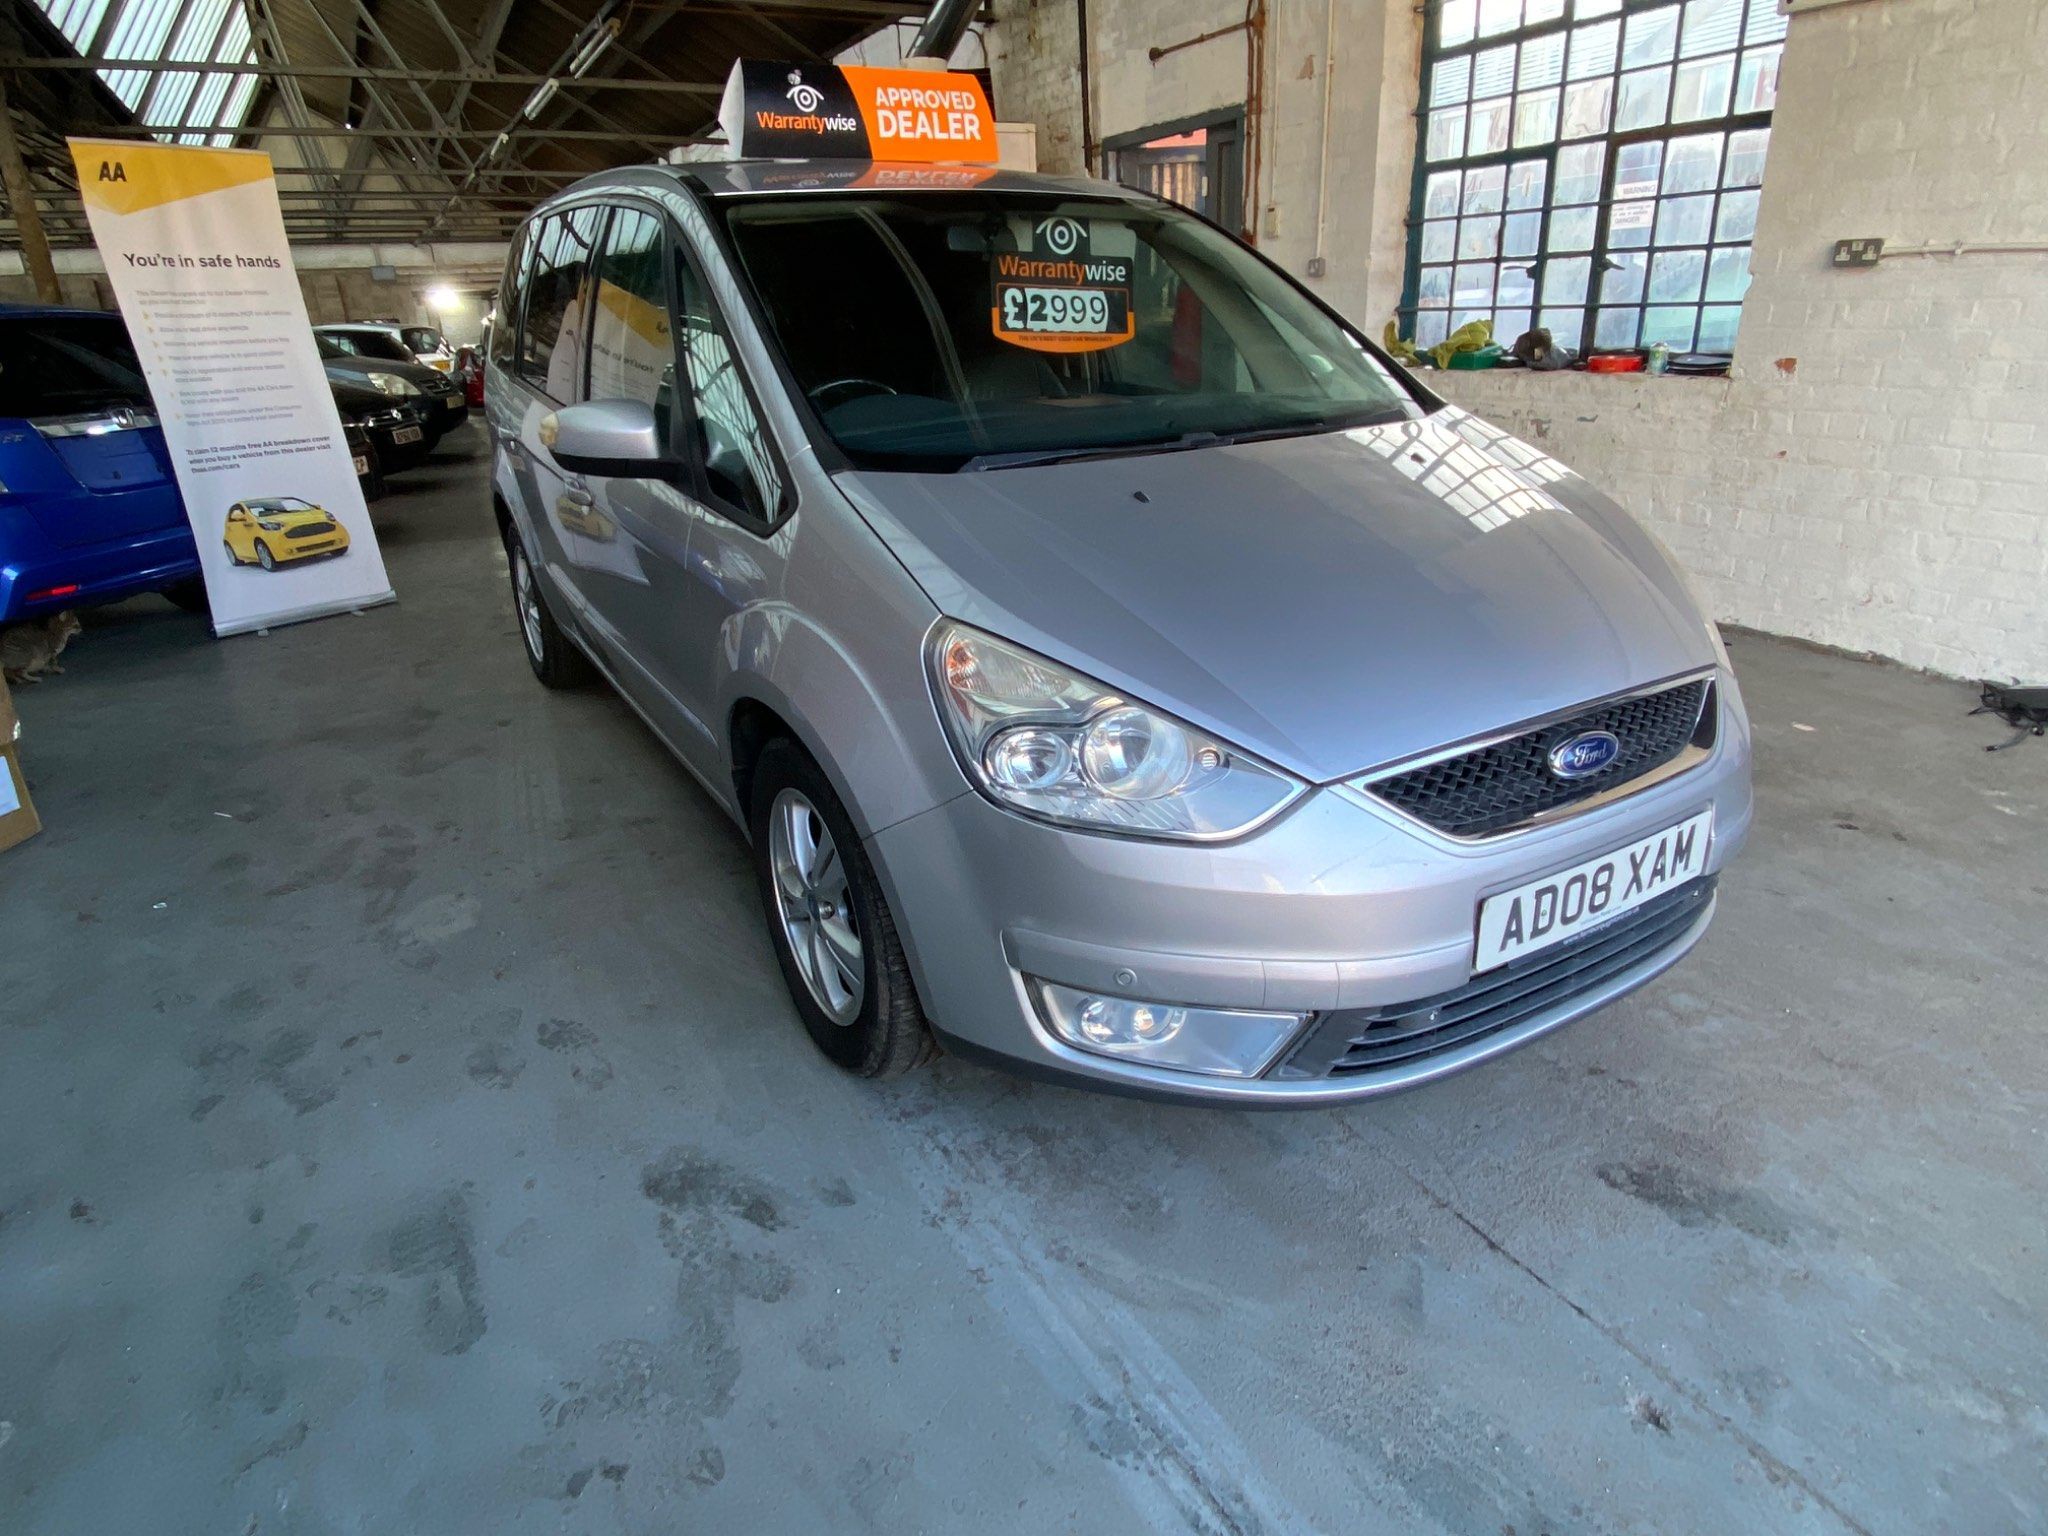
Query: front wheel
{"x": 833, "y": 935}
{"x": 264, "y": 557}
{"x": 552, "y": 654}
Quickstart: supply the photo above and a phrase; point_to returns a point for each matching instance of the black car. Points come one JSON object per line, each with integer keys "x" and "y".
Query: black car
{"x": 441, "y": 400}
{"x": 397, "y": 438}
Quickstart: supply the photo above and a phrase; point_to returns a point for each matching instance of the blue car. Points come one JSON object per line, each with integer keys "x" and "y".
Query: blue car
{"x": 89, "y": 507}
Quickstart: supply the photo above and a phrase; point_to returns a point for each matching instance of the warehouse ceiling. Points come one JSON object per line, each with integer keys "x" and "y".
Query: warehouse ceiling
{"x": 407, "y": 121}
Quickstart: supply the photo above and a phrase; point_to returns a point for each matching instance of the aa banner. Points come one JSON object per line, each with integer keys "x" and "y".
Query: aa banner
{"x": 195, "y": 247}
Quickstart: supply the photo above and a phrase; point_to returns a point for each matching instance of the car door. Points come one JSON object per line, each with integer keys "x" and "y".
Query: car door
{"x": 549, "y": 366}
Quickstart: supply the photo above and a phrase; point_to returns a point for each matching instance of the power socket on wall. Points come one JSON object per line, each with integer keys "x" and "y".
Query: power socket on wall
{"x": 1865, "y": 251}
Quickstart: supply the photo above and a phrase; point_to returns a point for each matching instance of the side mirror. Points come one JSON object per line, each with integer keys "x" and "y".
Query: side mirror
{"x": 621, "y": 439}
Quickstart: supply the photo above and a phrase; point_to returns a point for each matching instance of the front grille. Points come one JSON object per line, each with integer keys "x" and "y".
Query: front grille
{"x": 1508, "y": 783}
{"x": 1373, "y": 1040}
{"x": 310, "y": 531}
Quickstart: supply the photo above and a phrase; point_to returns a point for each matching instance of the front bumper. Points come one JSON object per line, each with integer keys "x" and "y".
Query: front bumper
{"x": 1340, "y": 906}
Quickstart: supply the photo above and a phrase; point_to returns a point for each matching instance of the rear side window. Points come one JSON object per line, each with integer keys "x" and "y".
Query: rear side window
{"x": 376, "y": 344}
{"x": 511, "y": 293}
{"x": 557, "y": 294}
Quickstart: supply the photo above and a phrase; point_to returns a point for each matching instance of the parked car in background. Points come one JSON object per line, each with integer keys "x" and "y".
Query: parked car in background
{"x": 469, "y": 367}
{"x": 439, "y": 399}
{"x": 393, "y": 427}
{"x": 1123, "y": 670}
{"x": 89, "y": 507}
{"x": 394, "y": 342}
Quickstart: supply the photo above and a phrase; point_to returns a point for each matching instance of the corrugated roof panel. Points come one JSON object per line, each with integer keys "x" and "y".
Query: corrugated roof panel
{"x": 189, "y": 30}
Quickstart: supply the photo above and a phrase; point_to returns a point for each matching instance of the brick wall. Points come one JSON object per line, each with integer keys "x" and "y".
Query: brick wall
{"x": 1885, "y": 488}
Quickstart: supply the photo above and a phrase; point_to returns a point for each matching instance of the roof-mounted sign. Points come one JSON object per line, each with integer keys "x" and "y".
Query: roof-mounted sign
{"x": 830, "y": 112}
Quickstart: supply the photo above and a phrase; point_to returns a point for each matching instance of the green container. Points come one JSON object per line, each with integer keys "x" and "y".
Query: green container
{"x": 1479, "y": 357}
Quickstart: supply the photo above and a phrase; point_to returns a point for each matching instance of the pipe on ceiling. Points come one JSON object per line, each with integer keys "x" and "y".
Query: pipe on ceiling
{"x": 942, "y": 30}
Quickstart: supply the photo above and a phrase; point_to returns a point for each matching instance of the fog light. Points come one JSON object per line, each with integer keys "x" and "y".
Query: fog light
{"x": 1222, "y": 1042}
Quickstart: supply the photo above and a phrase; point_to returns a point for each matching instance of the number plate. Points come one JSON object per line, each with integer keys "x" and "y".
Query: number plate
{"x": 407, "y": 435}
{"x": 455, "y": 402}
{"x": 362, "y": 464}
{"x": 1574, "y": 901}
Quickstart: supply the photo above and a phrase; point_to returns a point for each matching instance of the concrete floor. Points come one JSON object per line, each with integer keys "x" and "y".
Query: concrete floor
{"x": 403, "y": 1129}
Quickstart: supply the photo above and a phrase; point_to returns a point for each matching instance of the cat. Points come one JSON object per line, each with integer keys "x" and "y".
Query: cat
{"x": 27, "y": 651}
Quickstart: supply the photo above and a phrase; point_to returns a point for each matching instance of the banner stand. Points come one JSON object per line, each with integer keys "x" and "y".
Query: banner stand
{"x": 194, "y": 245}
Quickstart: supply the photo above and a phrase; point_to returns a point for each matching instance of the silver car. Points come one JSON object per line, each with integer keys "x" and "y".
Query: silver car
{"x": 1123, "y": 672}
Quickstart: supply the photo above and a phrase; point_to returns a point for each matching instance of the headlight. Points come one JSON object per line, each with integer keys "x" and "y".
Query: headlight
{"x": 392, "y": 384}
{"x": 1047, "y": 741}
{"x": 269, "y": 527}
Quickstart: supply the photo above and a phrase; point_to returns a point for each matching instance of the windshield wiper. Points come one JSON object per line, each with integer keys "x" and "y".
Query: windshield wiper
{"x": 1202, "y": 439}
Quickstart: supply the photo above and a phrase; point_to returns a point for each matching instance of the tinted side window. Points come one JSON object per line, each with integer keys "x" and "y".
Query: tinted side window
{"x": 739, "y": 465}
{"x": 632, "y": 353}
{"x": 511, "y": 293}
{"x": 551, "y": 340}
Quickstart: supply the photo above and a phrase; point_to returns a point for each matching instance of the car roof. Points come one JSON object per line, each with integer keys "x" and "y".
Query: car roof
{"x": 54, "y": 312}
{"x": 719, "y": 179}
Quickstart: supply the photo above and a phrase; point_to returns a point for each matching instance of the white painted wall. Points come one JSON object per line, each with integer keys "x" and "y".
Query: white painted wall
{"x": 1885, "y": 489}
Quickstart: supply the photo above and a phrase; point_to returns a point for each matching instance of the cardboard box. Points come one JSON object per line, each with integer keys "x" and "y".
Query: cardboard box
{"x": 10, "y": 722}
{"x": 18, "y": 821}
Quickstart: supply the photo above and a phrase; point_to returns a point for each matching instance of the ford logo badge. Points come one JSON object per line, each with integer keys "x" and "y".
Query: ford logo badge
{"x": 1583, "y": 755}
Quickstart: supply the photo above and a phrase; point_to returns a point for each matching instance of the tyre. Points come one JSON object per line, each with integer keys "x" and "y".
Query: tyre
{"x": 829, "y": 923}
{"x": 233, "y": 558}
{"x": 263, "y": 556}
{"x": 189, "y": 594}
{"x": 552, "y": 654}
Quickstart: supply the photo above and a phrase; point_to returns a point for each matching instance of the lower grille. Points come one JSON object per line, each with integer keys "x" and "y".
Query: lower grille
{"x": 1373, "y": 1040}
{"x": 1505, "y": 784}
{"x": 310, "y": 531}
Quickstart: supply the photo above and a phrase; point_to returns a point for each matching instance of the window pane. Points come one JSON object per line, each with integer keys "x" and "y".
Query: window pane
{"x": 1451, "y": 81}
{"x": 1472, "y": 285}
{"x": 1440, "y": 198}
{"x": 1675, "y": 276}
{"x": 1673, "y": 327}
{"x": 632, "y": 355}
{"x": 1509, "y": 323}
{"x": 1571, "y": 229}
{"x": 1565, "y": 326}
{"x": 1616, "y": 327}
{"x": 1542, "y": 62}
{"x": 1594, "y": 49}
{"x": 1766, "y": 22}
{"x": 1700, "y": 89}
{"x": 1518, "y": 234}
{"x": 1446, "y": 133}
{"x": 1737, "y": 220}
{"x": 1581, "y": 9}
{"x": 1434, "y": 291}
{"x": 1484, "y": 189}
{"x": 1636, "y": 168}
{"x": 1717, "y": 328}
{"x": 1586, "y": 107}
{"x": 1535, "y": 118}
{"x": 1489, "y": 128}
{"x": 1684, "y": 220}
{"x": 1564, "y": 282}
{"x": 1756, "y": 89}
{"x": 1644, "y": 95}
{"x": 1693, "y": 163}
{"x": 1431, "y": 327}
{"x": 1497, "y": 16}
{"x": 1578, "y": 173}
{"x": 1651, "y": 37}
{"x": 1728, "y": 273}
{"x": 1525, "y": 184}
{"x": 1541, "y": 10}
{"x": 1629, "y": 224}
{"x": 1454, "y": 25}
{"x": 1710, "y": 27}
{"x": 1623, "y": 282}
{"x": 1517, "y": 290}
{"x": 1439, "y": 238}
{"x": 551, "y": 342}
{"x": 1746, "y": 158}
{"x": 1478, "y": 239}
{"x": 738, "y": 466}
{"x": 1493, "y": 72}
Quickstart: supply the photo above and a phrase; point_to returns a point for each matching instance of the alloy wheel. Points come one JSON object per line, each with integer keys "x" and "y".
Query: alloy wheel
{"x": 528, "y": 600}
{"x": 815, "y": 906}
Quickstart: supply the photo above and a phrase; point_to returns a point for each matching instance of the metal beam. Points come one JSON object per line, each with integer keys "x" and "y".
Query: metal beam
{"x": 35, "y": 244}
{"x": 350, "y": 72}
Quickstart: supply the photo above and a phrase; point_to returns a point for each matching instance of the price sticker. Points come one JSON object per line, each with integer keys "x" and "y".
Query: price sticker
{"x": 1066, "y": 288}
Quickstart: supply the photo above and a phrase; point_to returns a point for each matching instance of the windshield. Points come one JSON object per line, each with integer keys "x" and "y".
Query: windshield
{"x": 66, "y": 364}
{"x": 976, "y": 330}
{"x": 377, "y": 344}
{"x": 421, "y": 339}
{"x": 281, "y": 504}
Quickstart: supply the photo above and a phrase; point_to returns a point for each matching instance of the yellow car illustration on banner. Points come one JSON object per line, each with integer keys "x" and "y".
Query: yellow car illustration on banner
{"x": 271, "y": 531}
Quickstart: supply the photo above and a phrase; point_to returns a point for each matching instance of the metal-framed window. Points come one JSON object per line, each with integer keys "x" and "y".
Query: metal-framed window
{"x": 1590, "y": 166}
